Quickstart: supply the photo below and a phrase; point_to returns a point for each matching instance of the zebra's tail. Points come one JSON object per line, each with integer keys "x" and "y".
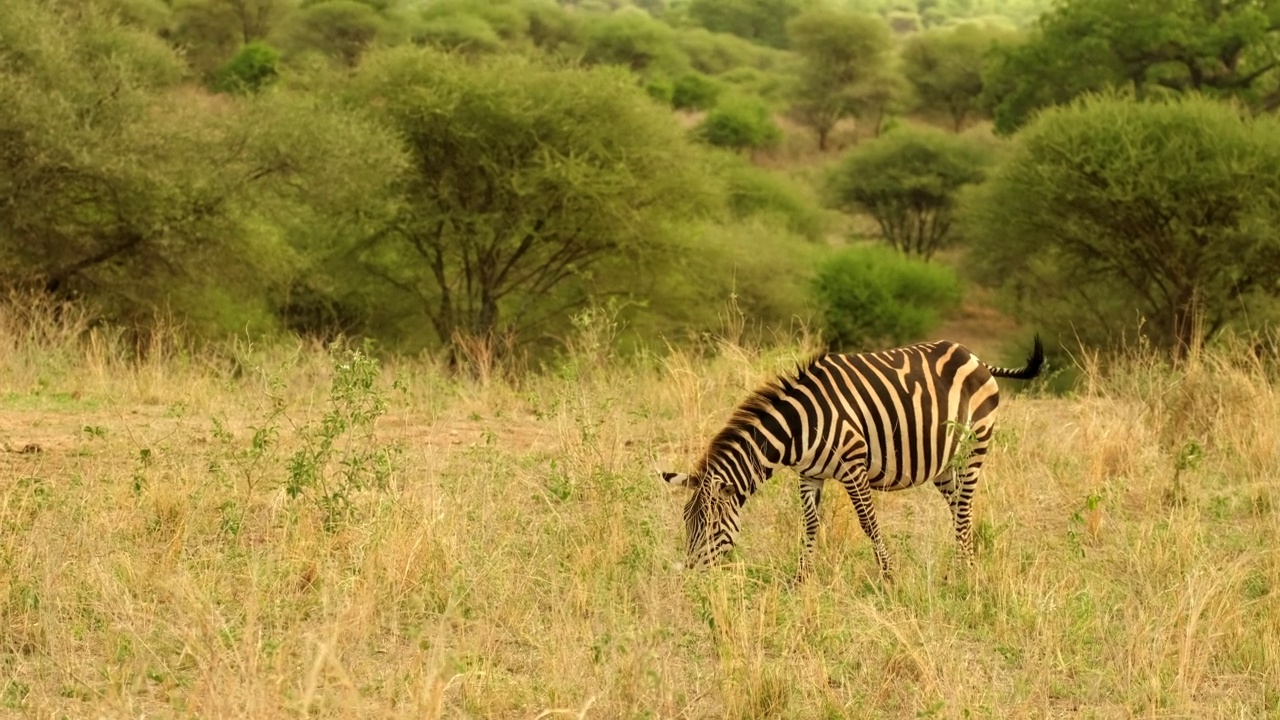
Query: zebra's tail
{"x": 1035, "y": 362}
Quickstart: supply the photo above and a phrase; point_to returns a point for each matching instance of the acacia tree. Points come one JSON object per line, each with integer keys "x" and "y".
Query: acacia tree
{"x": 339, "y": 29}
{"x": 1214, "y": 48}
{"x": 524, "y": 178}
{"x": 944, "y": 67}
{"x": 1112, "y": 211}
{"x": 843, "y": 56}
{"x": 908, "y": 181}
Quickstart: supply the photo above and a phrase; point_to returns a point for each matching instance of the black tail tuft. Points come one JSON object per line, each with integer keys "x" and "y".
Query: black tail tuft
{"x": 1035, "y": 362}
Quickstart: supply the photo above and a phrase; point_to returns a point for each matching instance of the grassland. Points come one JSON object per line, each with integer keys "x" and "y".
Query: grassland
{"x": 290, "y": 532}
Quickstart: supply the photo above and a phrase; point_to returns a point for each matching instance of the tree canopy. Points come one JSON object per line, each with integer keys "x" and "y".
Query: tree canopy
{"x": 762, "y": 21}
{"x": 1222, "y": 49}
{"x": 908, "y": 181}
{"x": 524, "y": 179}
{"x": 1112, "y": 213}
{"x": 944, "y": 67}
{"x": 842, "y": 56}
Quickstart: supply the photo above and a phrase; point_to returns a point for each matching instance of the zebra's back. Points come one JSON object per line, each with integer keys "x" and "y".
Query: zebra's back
{"x": 902, "y": 410}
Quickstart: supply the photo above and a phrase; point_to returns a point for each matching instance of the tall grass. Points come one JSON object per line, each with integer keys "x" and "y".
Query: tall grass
{"x": 513, "y": 554}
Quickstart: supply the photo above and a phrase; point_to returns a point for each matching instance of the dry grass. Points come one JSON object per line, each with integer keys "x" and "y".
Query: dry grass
{"x": 517, "y": 562}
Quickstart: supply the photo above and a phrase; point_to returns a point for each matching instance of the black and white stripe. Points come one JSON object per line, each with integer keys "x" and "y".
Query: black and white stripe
{"x": 887, "y": 421}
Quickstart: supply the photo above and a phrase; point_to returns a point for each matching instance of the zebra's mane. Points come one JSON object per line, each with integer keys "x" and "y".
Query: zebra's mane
{"x": 744, "y": 416}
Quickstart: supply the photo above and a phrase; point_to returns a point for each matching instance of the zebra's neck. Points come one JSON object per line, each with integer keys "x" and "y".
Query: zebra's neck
{"x": 757, "y": 440}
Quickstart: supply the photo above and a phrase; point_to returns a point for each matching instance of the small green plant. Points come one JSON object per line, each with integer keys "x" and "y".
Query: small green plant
{"x": 139, "y": 470}
{"x": 95, "y": 431}
{"x": 342, "y": 455}
{"x": 253, "y": 463}
{"x": 966, "y": 438}
{"x": 1085, "y": 523}
{"x": 14, "y": 695}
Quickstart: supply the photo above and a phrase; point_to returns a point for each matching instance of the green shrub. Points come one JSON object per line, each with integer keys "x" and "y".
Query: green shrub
{"x": 660, "y": 89}
{"x": 874, "y": 297}
{"x": 754, "y": 192}
{"x": 252, "y": 68}
{"x": 739, "y": 125}
{"x": 694, "y": 91}
{"x": 715, "y": 53}
{"x": 634, "y": 40}
{"x": 340, "y": 29}
{"x": 769, "y": 86}
{"x": 766, "y": 270}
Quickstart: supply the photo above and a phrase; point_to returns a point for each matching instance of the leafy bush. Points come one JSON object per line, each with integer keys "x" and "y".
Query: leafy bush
{"x": 251, "y": 69}
{"x": 754, "y": 192}
{"x": 694, "y": 91}
{"x": 492, "y": 25}
{"x": 660, "y": 89}
{"x": 769, "y": 86}
{"x": 907, "y": 181}
{"x": 715, "y": 53}
{"x": 873, "y": 296}
{"x": 766, "y": 272}
{"x": 760, "y": 21}
{"x": 739, "y": 124}
{"x": 462, "y": 32}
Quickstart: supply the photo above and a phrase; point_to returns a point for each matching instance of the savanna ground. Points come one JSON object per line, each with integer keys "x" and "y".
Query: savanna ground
{"x": 290, "y": 532}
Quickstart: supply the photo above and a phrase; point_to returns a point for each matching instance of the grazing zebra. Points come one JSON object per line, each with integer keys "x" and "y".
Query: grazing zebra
{"x": 875, "y": 421}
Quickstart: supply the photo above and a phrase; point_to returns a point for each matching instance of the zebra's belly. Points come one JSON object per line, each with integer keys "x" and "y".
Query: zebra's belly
{"x": 889, "y": 483}
{"x": 903, "y": 478}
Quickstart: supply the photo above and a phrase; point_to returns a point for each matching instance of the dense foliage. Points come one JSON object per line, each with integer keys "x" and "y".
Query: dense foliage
{"x": 417, "y": 172}
{"x": 119, "y": 184}
{"x": 1153, "y": 47}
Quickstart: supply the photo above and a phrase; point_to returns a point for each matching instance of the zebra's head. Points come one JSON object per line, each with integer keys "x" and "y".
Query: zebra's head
{"x": 710, "y": 516}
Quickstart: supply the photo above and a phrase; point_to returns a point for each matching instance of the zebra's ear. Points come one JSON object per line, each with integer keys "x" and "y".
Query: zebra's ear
{"x": 675, "y": 479}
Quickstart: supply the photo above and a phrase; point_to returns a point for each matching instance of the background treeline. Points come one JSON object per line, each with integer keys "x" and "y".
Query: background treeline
{"x": 428, "y": 174}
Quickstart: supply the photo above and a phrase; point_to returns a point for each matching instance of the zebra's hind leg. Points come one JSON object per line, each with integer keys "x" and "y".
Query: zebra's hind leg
{"x": 859, "y": 489}
{"x": 959, "y": 490}
{"x": 949, "y": 485}
{"x": 810, "y": 497}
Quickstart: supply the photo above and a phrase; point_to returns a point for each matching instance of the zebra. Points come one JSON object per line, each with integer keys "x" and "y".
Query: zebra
{"x": 888, "y": 420}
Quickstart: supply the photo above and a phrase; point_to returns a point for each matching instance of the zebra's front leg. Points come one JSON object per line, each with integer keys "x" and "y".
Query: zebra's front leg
{"x": 859, "y": 490}
{"x": 810, "y": 497}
